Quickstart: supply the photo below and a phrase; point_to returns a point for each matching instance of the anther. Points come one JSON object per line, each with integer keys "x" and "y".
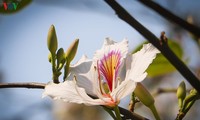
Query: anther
{"x": 95, "y": 68}
{"x": 75, "y": 79}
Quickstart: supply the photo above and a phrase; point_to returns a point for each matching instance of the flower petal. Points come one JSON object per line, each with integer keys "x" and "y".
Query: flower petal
{"x": 82, "y": 66}
{"x": 84, "y": 75}
{"x": 70, "y": 92}
{"x": 110, "y": 45}
{"x": 124, "y": 89}
{"x": 87, "y": 77}
{"x": 137, "y": 63}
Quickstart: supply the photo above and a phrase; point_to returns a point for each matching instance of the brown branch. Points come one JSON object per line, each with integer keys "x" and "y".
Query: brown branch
{"x": 170, "y": 16}
{"x": 127, "y": 114}
{"x": 23, "y": 85}
{"x": 165, "y": 50}
{"x": 130, "y": 115}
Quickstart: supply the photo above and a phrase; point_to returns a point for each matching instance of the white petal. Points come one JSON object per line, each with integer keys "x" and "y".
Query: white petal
{"x": 137, "y": 63}
{"x": 82, "y": 66}
{"x": 124, "y": 89}
{"x": 110, "y": 45}
{"x": 70, "y": 92}
{"x": 84, "y": 76}
{"x": 92, "y": 87}
{"x": 87, "y": 76}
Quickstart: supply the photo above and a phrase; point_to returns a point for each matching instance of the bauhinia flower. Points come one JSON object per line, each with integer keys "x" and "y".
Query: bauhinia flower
{"x": 89, "y": 77}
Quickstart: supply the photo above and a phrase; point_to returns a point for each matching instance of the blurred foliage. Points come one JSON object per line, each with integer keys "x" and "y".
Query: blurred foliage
{"x": 71, "y": 111}
{"x": 160, "y": 65}
{"x": 21, "y": 4}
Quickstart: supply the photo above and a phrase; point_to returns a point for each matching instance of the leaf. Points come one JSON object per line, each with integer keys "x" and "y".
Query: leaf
{"x": 160, "y": 65}
{"x": 19, "y": 5}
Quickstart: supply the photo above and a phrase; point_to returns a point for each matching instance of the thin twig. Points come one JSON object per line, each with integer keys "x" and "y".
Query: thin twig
{"x": 165, "y": 90}
{"x": 165, "y": 50}
{"x": 23, "y": 85}
{"x": 127, "y": 114}
{"x": 170, "y": 16}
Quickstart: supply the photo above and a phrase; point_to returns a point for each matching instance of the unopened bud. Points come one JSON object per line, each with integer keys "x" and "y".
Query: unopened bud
{"x": 189, "y": 98}
{"x": 60, "y": 56}
{"x": 143, "y": 95}
{"x": 52, "y": 43}
{"x": 181, "y": 93}
{"x": 194, "y": 92}
{"x": 71, "y": 51}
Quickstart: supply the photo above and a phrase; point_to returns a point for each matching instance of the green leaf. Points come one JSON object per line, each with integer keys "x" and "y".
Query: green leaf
{"x": 160, "y": 65}
{"x": 13, "y": 6}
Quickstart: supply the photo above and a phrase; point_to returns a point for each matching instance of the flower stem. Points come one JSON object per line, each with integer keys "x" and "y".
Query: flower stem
{"x": 117, "y": 113}
{"x": 109, "y": 111}
{"x": 55, "y": 77}
{"x": 154, "y": 111}
{"x": 66, "y": 69}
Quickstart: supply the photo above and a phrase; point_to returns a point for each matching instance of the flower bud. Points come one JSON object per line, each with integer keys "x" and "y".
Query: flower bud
{"x": 193, "y": 95}
{"x": 189, "y": 98}
{"x": 71, "y": 51}
{"x": 181, "y": 91}
{"x": 143, "y": 95}
{"x": 52, "y": 43}
{"x": 194, "y": 92}
{"x": 60, "y": 56}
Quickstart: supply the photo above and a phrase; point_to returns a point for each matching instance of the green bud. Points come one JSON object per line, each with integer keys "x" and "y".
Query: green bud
{"x": 52, "y": 43}
{"x": 60, "y": 56}
{"x": 50, "y": 57}
{"x": 189, "y": 98}
{"x": 181, "y": 91}
{"x": 143, "y": 95}
{"x": 71, "y": 51}
{"x": 194, "y": 92}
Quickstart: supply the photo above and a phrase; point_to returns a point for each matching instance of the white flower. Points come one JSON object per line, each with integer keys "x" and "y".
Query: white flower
{"x": 105, "y": 67}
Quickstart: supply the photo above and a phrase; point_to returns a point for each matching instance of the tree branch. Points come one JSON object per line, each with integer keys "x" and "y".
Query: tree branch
{"x": 130, "y": 115}
{"x": 165, "y": 90}
{"x": 35, "y": 85}
{"x": 23, "y": 85}
{"x": 170, "y": 16}
{"x": 165, "y": 50}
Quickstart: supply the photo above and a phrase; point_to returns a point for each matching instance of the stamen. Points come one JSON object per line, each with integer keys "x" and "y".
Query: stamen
{"x": 109, "y": 67}
{"x": 99, "y": 78}
{"x": 118, "y": 81}
{"x": 113, "y": 81}
{"x": 95, "y": 68}
{"x": 75, "y": 79}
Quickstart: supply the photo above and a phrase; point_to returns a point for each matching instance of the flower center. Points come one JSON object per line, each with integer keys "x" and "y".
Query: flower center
{"x": 109, "y": 67}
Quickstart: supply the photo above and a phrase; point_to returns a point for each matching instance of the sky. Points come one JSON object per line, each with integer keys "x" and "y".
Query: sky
{"x": 23, "y": 41}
